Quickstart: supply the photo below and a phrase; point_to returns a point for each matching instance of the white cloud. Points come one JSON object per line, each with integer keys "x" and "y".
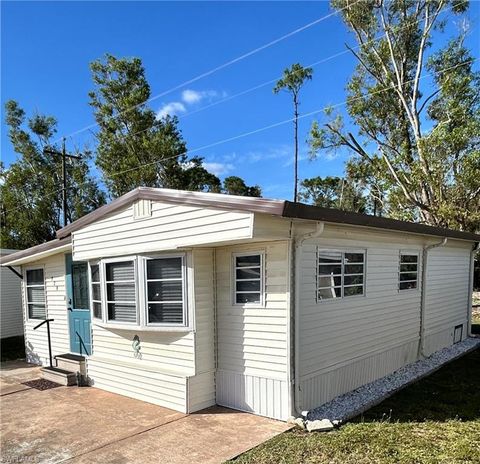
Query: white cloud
{"x": 190, "y": 97}
{"x": 171, "y": 109}
{"x": 219, "y": 168}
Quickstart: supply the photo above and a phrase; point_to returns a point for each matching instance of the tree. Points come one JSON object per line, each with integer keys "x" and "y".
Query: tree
{"x": 292, "y": 81}
{"x": 333, "y": 192}
{"x": 31, "y": 187}
{"x": 234, "y": 185}
{"x": 415, "y": 143}
{"x": 135, "y": 148}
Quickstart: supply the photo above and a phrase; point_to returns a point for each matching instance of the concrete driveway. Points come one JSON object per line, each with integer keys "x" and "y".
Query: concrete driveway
{"x": 84, "y": 425}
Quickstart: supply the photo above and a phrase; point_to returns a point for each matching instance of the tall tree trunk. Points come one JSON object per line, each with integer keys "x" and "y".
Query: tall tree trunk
{"x": 295, "y": 128}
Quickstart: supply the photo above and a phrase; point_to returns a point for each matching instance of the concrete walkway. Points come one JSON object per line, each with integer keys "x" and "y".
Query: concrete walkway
{"x": 84, "y": 425}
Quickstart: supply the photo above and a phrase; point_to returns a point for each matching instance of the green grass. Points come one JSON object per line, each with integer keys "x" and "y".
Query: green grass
{"x": 436, "y": 420}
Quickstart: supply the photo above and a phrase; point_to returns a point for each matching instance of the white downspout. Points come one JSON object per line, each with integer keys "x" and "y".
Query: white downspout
{"x": 426, "y": 249}
{"x": 295, "y": 295}
{"x": 475, "y": 248}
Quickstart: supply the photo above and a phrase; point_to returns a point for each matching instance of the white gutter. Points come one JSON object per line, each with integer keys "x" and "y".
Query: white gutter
{"x": 295, "y": 298}
{"x": 475, "y": 248}
{"x": 421, "y": 340}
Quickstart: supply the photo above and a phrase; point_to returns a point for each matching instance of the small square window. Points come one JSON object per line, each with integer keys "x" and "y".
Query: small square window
{"x": 248, "y": 279}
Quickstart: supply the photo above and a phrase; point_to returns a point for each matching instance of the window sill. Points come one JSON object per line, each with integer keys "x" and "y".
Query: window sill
{"x": 142, "y": 328}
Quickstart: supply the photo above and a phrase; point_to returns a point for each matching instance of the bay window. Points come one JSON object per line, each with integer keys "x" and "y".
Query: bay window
{"x": 140, "y": 291}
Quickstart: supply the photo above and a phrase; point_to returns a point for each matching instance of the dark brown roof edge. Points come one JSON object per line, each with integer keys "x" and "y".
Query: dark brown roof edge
{"x": 229, "y": 202}
{"x": 47, "y": 246}
{"x": 316, "y": 213}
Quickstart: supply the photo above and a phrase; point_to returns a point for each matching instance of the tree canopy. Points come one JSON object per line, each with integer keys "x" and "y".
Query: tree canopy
{"x": 414, "y": 142}
{"x": 234, "y": 185}
{"x": 31, "y": 187}
{"x": 135, "y": 147}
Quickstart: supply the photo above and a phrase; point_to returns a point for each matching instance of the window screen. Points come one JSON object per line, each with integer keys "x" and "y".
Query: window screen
{"x": 165, "y": 290}
{"x": 340, "y": 274}
{"x": 408, "y": 275}
{"x": 96, "y": 291}
{"x": 248, "y": 279}
{"x": 120, "y": 291}
{"x": 35, "y": 286}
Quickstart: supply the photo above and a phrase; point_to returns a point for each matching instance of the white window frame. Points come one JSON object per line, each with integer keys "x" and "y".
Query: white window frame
{"x": 408, "y": 253}
{"x": 184, "y": 281}
{"x": 90, "y": 287}
{"x": 234, "y": 268}
{"x": 26, "y": 286}
{"x": 105, "y": 293}
{"x": 343, "y": 251}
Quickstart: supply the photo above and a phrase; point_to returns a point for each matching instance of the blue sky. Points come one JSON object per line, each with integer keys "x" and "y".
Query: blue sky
{"x": 47, "y": 47}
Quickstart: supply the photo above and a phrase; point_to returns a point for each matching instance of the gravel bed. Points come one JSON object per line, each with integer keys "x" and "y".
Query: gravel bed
{"x": 351, "y": 404}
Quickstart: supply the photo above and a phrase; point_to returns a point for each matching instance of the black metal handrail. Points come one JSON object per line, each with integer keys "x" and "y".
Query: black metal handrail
{"x": 47, "y": 321}
{"x": 81, "y": 343}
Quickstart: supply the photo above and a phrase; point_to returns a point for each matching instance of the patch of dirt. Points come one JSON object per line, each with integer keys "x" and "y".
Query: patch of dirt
{"x": 41, "y": 384}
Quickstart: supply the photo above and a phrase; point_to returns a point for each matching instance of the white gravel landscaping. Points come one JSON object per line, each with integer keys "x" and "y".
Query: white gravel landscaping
{"x": 352, "y": 404}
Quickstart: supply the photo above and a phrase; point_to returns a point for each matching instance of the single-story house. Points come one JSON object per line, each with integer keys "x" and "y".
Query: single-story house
{"x": 187, "y": 299}
{"x": 11, "y": 319}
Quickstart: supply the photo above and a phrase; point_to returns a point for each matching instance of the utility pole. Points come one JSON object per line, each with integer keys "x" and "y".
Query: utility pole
{"x": 64, "y": 155}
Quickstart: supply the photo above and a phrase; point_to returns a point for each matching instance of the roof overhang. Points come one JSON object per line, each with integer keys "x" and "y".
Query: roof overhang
{"x": 316, "y": 213}
{"x": 205, "y": 200}
{"x": 37, "y": 252}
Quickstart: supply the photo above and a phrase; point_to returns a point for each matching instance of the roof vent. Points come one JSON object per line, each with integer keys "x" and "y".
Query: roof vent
{"x": 142, "y": 209}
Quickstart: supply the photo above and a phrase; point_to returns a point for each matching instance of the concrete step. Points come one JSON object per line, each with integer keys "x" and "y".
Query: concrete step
{"x": 72, "y": 362}
{"x": 61, "y": 376}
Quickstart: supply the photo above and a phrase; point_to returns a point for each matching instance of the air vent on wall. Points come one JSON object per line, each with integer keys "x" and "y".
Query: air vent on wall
{"x": 142, "y": 209}
{"x": 458, "y": 334}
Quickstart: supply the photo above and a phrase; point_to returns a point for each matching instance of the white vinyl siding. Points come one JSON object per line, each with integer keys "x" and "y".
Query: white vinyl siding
{"x": 447, "y": 298}
{"x": 169, "y": 227}
{"x": 346, "y": 342}
{"x": 252, "y": 342}
{"x": 11, "y": 319}
{"x": 36, "y": 345}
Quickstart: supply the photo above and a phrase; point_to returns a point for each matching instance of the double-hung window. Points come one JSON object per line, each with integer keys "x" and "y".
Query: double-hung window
{"x": 248, "y": 279}
{"x": 340, "y": 274}
{"x": 120, "y": 290}
{"x": 408, "y": 273}
{"x": 35, "y": 286}
{"x": 165, "y": 289}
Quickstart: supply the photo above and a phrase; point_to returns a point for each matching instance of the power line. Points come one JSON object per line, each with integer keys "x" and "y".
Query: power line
{"x": 271, "y": 81}
{"x": 220, "y": 67}
{"x": 271, "y": 126}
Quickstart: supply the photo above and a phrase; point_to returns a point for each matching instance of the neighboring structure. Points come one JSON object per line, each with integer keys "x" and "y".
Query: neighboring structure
{"x": 11, "y": 312}
{"x": 190, "y": 299}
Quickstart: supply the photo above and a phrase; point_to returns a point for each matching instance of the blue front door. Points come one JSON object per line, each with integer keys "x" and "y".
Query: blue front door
{"x": 78, "y": 306}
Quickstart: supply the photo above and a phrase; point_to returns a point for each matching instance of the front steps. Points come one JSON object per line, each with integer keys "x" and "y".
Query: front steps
{"x": 70, "y": 369}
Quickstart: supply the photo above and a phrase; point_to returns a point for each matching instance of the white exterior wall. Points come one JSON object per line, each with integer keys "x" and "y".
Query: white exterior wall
{"x": 346, "y": 343}
{"x": 170, "y": 226}
{"x": 252, "y": 373}
{"x": 201, "y": 387}
{"x": 447, "y": 299}
{"x": 36, "y": 342}
{"x": 11, "y": 314}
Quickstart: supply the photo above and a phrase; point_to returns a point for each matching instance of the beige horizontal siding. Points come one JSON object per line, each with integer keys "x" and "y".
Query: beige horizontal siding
{"x": 170, "y": 226}
{"x": 36, "y": 342}
{"x": 11, "y": 314}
